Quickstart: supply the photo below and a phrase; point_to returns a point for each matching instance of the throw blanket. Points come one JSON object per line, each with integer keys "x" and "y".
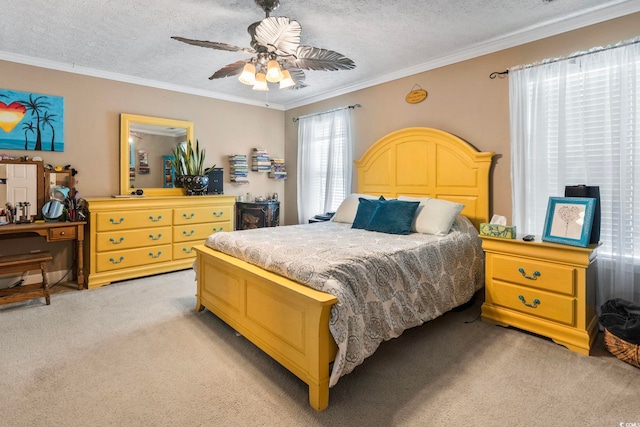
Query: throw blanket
{"x": 384, "y": 283}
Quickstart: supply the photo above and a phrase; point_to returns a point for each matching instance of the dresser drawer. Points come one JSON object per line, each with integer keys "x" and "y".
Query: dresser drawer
{"x": 183, "y": 233}
{"x": 535, "y": 274}
{"x": 127, "y": 239}
{"x": 202, "y": 214}
{"x": 184, "y": 250}
{"x": 63, "y": 233}
{"x": 109, "y": 221}
{"x": 115, "y": 260}
{"x": 537, "y": 303}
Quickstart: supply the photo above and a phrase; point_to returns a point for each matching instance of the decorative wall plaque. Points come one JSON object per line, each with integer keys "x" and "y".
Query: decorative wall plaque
{"x": 416, "y": 95}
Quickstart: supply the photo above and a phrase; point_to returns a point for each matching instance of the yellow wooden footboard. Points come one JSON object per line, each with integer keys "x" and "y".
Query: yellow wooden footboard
{"x": 287, "y": 320}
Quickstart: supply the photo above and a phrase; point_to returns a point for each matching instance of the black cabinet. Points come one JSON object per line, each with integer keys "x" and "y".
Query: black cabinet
{"x": 257, "y": 214}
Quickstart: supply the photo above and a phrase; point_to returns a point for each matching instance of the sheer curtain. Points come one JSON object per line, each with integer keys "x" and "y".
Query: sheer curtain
{"x": 576, "y": 121}
{"x": 324, "y": 162}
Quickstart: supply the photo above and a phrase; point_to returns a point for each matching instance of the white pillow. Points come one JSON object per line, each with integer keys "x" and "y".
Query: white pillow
{"x": 434, "y": 216}
{"x": 347, "y": 210}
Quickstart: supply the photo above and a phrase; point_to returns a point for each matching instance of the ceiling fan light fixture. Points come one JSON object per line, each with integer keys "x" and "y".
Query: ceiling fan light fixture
{"x": 261, "y": 83}
{"x": 274, "y": 73}
{"x": 248, "y": 75}
{"x": 275, "y": 42}
{"x": 287, "y": 80}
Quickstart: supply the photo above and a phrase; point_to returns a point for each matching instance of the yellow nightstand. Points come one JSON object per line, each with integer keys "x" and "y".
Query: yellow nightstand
{"x": 545, "y": 288}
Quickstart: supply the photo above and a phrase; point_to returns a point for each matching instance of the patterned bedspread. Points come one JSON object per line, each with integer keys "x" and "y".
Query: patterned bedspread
{"x": 384, "y": 283}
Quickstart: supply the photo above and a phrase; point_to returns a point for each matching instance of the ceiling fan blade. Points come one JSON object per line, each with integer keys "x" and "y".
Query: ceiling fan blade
{"x": 314, "y": 58}
{"x": 297, "y": 75}
{"x": 214, "y": 45}
{"x": 279, "y": 35}
{"x": 229, "y": 70}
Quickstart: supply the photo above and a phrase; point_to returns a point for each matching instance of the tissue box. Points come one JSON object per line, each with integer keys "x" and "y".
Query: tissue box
{"x": 494, "y": 230}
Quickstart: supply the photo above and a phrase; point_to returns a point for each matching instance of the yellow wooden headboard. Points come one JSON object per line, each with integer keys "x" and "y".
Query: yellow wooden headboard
{"x": 428, "y": 162}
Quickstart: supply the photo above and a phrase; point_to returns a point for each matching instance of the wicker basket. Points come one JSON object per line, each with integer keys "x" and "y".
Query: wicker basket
{"x": 621, "y": 349}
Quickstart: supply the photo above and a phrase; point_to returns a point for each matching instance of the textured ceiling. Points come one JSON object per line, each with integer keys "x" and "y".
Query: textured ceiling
{"x": 130, "y": 40}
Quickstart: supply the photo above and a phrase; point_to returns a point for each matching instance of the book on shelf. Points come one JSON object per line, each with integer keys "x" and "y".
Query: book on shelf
{"x": 260, "y": 161}
{"x": 277, "y": 169}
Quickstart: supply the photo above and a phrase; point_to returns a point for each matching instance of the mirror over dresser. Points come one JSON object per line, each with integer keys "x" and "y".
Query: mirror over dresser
{"x": 146, "y": 144}
{"x": 138, "y": 235}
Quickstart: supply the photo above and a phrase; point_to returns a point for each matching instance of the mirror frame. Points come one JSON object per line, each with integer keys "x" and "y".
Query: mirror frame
{"x": 126, "y": 120}
{"x": 47, "y": 180}
{"x": 39, "y": 182}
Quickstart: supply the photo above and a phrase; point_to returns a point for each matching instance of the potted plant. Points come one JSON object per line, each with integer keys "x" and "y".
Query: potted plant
{"x": 189, "y": 166}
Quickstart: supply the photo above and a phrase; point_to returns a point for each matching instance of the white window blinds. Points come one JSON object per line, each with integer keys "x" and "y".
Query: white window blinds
{"x": 324, "y": 162}
{"x": 577, "y": 121}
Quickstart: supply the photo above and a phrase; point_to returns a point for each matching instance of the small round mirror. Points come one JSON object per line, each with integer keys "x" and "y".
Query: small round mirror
{"x": 52, "y": 211}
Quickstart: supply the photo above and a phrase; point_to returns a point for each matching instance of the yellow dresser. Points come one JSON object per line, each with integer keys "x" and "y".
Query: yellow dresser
{"x": 134, "y": 237}
{"x": 545, "y": 288}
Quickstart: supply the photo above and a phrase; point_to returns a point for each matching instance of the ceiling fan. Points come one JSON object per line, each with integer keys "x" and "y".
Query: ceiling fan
{"x": 279, "y": 57}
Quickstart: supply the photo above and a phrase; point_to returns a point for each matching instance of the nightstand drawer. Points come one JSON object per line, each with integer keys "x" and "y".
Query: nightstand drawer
{"x": 538, "y": 303}
{"x": 535, "y": 274}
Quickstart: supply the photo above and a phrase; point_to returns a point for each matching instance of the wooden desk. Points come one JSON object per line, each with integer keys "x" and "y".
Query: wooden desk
{"x": 53, "y": 232}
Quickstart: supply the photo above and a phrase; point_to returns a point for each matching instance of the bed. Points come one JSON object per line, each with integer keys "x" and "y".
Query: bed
{"x": 292, "y": 321}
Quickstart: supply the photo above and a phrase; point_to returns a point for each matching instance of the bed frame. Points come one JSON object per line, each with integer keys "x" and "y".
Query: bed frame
{"x": 289, "y": 321}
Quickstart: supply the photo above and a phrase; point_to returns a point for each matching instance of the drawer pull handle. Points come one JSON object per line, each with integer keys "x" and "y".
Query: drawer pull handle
{"x": 215, "y": 230}
{"x": 188, "y": 216}
{"x": 535, "y": 276}
{"x": 155, "y": 256}
{"x": 155, "y": 238}
{"x": 155, "y": 220}
{"x": 535, "y": 302}
{"x": 187, "y": 250}
{"x": 113, "y": 261}
{"x": 114, "y": 222}
{"x": 112, "y": 240}
{"x": 217, "y": 214}
{"x": 62, "y": 233}
{"x": 188, "y": 233}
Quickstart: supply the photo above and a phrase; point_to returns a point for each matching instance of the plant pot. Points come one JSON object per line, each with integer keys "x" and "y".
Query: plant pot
{"x": 178, "y": 181}
{"x": 196, "y": 185}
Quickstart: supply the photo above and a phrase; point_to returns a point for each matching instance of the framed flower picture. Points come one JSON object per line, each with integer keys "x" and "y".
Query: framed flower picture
{"x": 569, "y": 220}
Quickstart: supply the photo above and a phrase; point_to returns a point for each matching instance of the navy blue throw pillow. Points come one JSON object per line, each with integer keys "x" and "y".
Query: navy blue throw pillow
{"x": 366, "y": 207}
{"x": 393, "y": 217}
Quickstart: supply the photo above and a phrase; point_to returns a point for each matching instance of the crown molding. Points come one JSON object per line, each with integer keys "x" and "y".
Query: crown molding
{"x": 85, "y": 71}
{"x": 593, "y": 16}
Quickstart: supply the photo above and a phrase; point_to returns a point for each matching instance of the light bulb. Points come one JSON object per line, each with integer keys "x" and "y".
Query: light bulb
{"x": 248, "y": 75}
{"x": 261, "y": 83}
{"x": 287, "y": 80}
{"x": 274, "y": 74}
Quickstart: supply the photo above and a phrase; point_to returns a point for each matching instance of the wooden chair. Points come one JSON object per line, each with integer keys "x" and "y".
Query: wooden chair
{"x": 19, "y": 264}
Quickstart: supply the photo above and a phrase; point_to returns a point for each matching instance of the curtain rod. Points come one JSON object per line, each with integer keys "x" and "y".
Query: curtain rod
{"x": 566, "y": 58}
{"x": 295, "y": 119}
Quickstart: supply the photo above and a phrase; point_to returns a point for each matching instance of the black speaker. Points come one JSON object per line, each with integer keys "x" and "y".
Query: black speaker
{"x": 594, "y": 193}
{"x": 215, "y": 181}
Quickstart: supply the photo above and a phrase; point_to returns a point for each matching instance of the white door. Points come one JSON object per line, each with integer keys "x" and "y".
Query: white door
{"x": 22, "y": 185}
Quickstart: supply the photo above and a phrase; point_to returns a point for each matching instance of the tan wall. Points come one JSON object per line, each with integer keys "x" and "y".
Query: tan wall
{"x": 92, "y": 125}
{"x": 462, "y": 100}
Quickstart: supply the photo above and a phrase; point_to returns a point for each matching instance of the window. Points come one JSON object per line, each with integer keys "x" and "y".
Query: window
{"x": 577, "y": 121}
{"x": 324, "y": 162}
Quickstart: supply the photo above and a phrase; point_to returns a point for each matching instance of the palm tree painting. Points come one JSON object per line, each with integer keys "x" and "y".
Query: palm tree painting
{"x": 41, "y": 120}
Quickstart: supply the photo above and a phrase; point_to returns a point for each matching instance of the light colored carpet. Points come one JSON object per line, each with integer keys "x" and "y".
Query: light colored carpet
{"x": 136, "y": 353}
